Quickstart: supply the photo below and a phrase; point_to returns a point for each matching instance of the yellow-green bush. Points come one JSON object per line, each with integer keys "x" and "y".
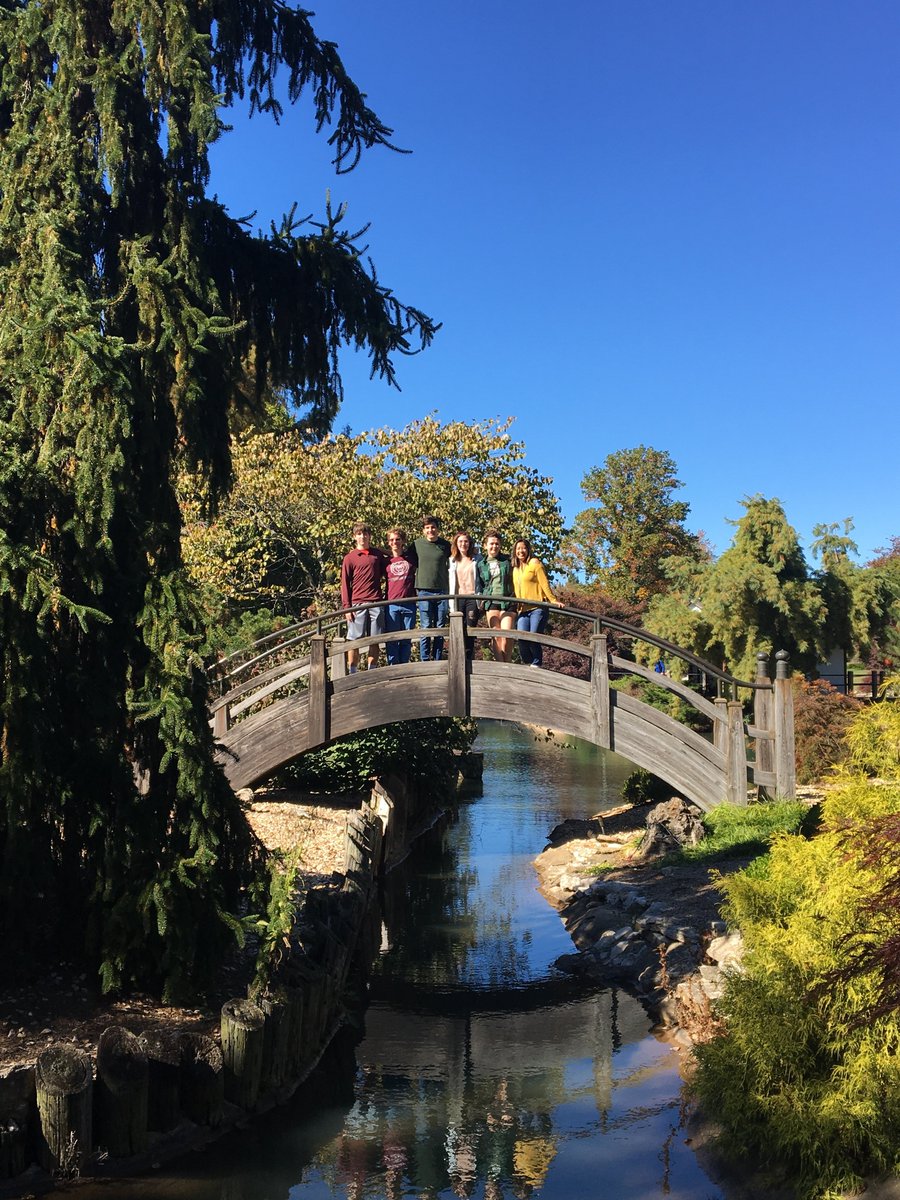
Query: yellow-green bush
{"x": 807, "y": 1074}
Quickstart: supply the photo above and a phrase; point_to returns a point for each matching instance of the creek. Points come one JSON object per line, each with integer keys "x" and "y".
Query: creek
{"x": 482, "y": 1071}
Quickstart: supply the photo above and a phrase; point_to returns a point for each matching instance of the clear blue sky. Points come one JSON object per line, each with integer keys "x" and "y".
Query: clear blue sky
{"x": 669, "y": 223}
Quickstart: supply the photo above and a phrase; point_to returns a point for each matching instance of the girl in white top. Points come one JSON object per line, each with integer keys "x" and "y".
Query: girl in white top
{"x": 463, "y": 565}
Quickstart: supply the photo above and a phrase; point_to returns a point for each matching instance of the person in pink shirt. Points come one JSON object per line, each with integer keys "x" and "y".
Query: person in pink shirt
{"x": 362, "y": 587}
{"x": 400, "y": 571}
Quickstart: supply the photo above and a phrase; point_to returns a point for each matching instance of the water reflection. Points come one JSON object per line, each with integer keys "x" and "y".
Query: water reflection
{"x": 481, "y": 1071}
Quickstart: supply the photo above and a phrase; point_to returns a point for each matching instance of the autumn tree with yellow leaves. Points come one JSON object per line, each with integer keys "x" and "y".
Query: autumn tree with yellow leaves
{"x": 280, "y": 535}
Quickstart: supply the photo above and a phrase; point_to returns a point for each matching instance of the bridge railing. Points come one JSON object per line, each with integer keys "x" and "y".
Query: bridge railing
{"x": 311, "y": 653}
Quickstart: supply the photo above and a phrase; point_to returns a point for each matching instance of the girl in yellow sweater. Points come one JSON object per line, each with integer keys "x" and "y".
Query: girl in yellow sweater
{"x": 530, "y": 584}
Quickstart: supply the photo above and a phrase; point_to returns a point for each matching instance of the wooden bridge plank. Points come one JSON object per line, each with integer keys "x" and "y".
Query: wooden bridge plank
{"x": 652, "y": 716}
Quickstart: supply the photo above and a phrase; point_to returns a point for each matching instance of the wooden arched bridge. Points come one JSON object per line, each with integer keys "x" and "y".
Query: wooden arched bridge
{"x": 290, "y": 692}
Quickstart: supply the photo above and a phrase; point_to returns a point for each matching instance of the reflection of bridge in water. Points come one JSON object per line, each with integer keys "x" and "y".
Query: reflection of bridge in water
{"x": 491, "y": 1085}
{"x": 290, "y": 693}
{"x": 536, "y": 1035}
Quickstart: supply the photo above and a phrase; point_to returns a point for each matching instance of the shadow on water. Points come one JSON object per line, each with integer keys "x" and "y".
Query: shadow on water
{"x": 480, "y": 1071}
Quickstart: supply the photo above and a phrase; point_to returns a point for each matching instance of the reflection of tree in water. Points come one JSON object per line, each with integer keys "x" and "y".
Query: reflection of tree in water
{"x": 442, "y": 927}
{"x": 555, "y": 772}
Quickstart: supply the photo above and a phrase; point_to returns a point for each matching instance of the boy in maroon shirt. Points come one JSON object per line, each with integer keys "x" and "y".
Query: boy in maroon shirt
{"x": 362, "y": 585}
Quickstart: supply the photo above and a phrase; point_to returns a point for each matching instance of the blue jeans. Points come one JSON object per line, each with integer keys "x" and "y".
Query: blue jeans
{"x": 532, "y": 621}
{"x": 399, "y": 616}
{"x": 433, "y": 614}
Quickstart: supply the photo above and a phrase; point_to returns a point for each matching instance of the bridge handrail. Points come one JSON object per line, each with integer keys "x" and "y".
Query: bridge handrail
{"x": 292, "y": 635}
{"x": 259, "y": 687}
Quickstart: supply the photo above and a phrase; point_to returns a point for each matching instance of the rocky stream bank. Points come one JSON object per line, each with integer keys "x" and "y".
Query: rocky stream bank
{"x": 650, "y": 924}
{"x": 639, "y": 919}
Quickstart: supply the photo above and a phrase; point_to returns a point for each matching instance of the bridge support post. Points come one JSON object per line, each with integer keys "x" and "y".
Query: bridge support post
{"x": 600, "y": 706}
{"x": 785, "y": 763}
{"x": 735, "y": 755}
{"x": 221, "y": 720}
{"x": 318, "y": 692}
{"x": 764, "y": 719}
{"x": 457, "y": 705}
{"x": 720, "y": 728}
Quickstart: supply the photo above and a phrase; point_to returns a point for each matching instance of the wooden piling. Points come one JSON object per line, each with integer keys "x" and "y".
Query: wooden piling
{"x": 163, "y": 1050}
{"x": 600, "y": 709}
{"x": 456, "y": 667}
{"x": 122, "y": 1087}
{"x": 201, "y": 1079}
{"x": 736, "y": 755}
{"x": 276, "y": 1053}
{"x": 318, "y": 692}
{"x": 243, "y": 1025}
{"x": 64, "y": 1088}
{"x": 785, "y": 764}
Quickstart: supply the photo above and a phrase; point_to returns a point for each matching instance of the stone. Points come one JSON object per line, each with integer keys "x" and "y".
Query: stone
{"x": 726, "y": 951}
{"x": 574, "y": 830}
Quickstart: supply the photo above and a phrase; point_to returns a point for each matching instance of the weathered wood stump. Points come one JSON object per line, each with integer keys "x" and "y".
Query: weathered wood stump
{"x": 121, "y": 1093}
{"x": 202, "y": 1079}
{"x": 276, "y": 1057}
{"x": 12, "y": 1148}
{"x": 64, "y": 1086}
{"x": 163, "y": 1050}
{"x": 243, "y": 1033}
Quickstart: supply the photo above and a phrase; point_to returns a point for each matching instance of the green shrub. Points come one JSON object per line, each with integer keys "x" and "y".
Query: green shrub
{"x": 807, "y": 1074}
{"x": 642, "y": 787}
{"x": 657, "y": 697}
{"x": 425, "y": 750}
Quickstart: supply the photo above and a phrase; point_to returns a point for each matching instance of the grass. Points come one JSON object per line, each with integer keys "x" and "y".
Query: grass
{"x": 733, "y": 832}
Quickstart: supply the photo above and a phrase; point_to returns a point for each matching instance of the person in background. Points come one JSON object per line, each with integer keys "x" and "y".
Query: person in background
{"x": 400, "y": 572}
{"x": 463, "y": 565}
{"x": 362, "y": 585}
{"x": 494, "y": 576}
{"x": 432, "y": 580}
{"x": 531, "y": 584}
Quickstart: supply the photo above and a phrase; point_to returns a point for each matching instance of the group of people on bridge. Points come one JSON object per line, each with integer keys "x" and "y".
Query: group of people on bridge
{"x": 432, "y": 575}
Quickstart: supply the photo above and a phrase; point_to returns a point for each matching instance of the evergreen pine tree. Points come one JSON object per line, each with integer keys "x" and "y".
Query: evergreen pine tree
{"x": 130, "y": 307}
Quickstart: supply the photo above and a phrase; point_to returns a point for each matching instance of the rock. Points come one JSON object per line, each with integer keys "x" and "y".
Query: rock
{"x": 594, "y": 920}
{"x": 670, "y": 825}
{"x": 574, "y": 830}
{"x": 726, "y": 951}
